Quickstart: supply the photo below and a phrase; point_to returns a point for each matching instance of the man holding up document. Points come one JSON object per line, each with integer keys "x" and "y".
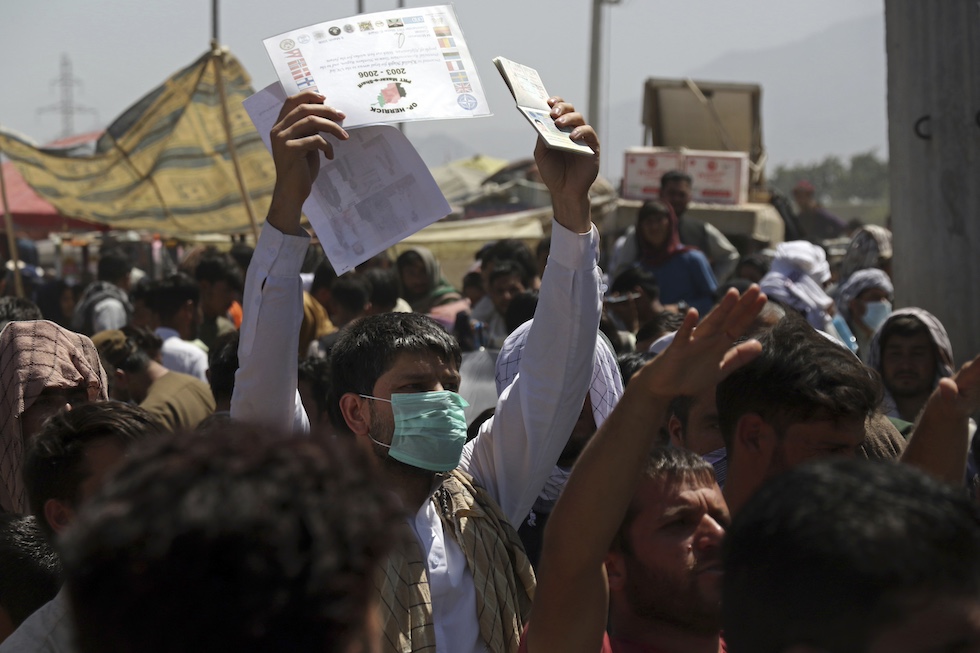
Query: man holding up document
{"x": 459, "y": 580}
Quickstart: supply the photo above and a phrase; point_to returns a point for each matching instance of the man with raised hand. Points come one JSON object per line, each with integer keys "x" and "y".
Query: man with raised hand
{"x": 462, "y": 582}
{"x": 583, "y": 580}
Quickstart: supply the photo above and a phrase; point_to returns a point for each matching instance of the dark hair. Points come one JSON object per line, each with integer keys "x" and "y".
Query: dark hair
{"x": 323, "y": 276}
{"x": 316, "y": 371}
{"x": 651, "y": 207}
{"x": 385, "y": 288}
{"x": 738, "y": 283}
{"x": 472, "y": 280}
{"x": 352, "y": 292}
{"x": 31, "y": 568}
{"x": 367, "y": 348}
{"x": 18, "y": 309}
{"x": 215, "y": 267}
{"x": 242, "y": 253}
{"x": 143, "y": 290}
{"x": 672, "y": 465}
{"x": 505, "y": 268}
{"x": 906, "y": 326}
{"x": 54, "y": 467}
{"x": 799, "y": 376}
{"x": 831, "y": 551}
{"x": 521, "y": 309}
{"x": 630, "y": 363}
{"x": 171, "y": 294}
{"x": 757, "y": 261}
{"x": 49, "y": 300}
{"x": 544, "y": 246}
{"x": 231, "y": 540}
{"x": 633, "y": 277}
{"x": 662, "y": 323}
{"x": 674, "y": 175}
{"x": 114, "y": 265}
{"x": 222, "y": 365}
{"x": 511, "y": 249}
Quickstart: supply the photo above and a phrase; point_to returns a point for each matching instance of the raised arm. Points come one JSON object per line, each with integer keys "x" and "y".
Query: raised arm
{"x": 570, "y": 603}
{"x": 517, "y": 449}
{"x": 940, "y": 439}
{"x": 265, "y": 384}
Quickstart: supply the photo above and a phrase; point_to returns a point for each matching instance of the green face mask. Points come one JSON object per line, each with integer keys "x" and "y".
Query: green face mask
{"x": 430, "y": 429}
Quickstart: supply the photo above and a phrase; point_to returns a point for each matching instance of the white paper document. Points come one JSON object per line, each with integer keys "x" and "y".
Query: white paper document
{"x": 532, "y": 101}
{"x": 374, "y": 193}
{"x": 391, "y": 66}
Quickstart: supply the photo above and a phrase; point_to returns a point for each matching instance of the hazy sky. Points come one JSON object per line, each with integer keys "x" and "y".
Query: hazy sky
{"x": 120, "y": 49}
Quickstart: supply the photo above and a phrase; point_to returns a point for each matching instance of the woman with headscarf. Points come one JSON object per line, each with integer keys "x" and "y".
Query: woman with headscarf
{"x": 864, "y": 302}
{"x": 43, "y": 368}
{"x": 683, "y": 273}
{"x": 423, "y": 285}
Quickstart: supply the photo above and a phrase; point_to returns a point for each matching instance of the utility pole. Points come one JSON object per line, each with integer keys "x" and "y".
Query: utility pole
{"x": 595, "y": 62}
{"x": 66, "y": 106}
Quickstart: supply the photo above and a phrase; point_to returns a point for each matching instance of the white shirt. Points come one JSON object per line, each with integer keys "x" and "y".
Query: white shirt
{"x": 48, "y": 630}
{"x": 178, "y": 355}
{"x": 109, "y": 314}
{"x": 515, "y": 451}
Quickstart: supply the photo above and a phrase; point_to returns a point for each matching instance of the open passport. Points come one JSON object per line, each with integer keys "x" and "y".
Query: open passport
{"x": 532, "y": 101}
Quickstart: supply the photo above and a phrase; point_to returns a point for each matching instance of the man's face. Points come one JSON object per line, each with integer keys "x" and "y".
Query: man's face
{"x": 806, "y": 441}
{"x": 674, "y": 572}
{"x": 422, "y": 371}
{"x": 415, "y": 278}
{"x": 702, "y": 434}
{"x": 908, "y": 365}
{"x": 859, "y": 305}
{"x": 216, "y": 298}
{"x": 804, "y": 198}
{"x": 47, "y": 404}
{"x": 677, "y": 194}
{"x": 654, "y": 229}
{"x": 503, "y": 290}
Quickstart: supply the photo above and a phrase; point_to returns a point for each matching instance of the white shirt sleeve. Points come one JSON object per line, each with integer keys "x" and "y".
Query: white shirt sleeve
{"x": 518, "y": 447}
{"x": 266, "y": 383}
{"x": 108, "y": 314}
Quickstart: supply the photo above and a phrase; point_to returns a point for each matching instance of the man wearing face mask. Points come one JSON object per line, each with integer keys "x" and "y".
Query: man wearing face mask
{"x": 864, "y": 302}
{"x": 459, "y": 581}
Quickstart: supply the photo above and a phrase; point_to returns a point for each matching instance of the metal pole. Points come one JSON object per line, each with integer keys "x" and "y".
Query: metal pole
{"x": 8, "y": 220}
{"x": 360, "y": 6}
{"x": 214, "y": 20}
{"x": 594, "y": 64}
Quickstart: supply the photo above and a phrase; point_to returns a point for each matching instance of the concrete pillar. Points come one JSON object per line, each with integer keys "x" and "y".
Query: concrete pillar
{"x": 934, "y": 141}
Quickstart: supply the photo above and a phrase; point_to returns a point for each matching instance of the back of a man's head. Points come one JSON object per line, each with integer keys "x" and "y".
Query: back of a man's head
{"x": 368, "y": 347}
{"x": 114, "y": 266}
{"x": 800, "y": 376}
{"x": 58, "y": 472}
{"x": 18, "y": 309}
{"x": 171, "y": 294}
{"x": 231, "y": 541}
{"x": 834, "y": 555}
{"x": 222, "y": 366}
{"x": 31, "y": 570}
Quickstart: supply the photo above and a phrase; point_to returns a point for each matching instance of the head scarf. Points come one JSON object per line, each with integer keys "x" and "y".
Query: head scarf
{"x": 36, "y": 356}
{"x": 796, "y": 280}
{"x": 868, "y": 245}
{"x": 439, "y": 291}
{"x": 856, "y": 284}
{"x": 651, "y": 255}
{"x": 944, "y": 351}
{"x": 607, "y": 383}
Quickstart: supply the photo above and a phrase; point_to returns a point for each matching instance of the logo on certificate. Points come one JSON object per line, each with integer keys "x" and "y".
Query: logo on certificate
{"x": 303, "y": 39}
{"x": 467, "y": 101}
{"x": 287, "y": 44}
{"x": 348, "y": 28}
{"x": 334, "y": 31}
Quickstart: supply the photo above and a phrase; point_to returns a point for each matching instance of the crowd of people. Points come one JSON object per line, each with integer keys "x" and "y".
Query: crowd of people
{"x": 670, "y": 447}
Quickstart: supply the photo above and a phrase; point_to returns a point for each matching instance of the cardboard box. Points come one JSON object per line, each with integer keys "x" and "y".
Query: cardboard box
{"x": 644, "y": 167}
{"x": 718, "y": 177}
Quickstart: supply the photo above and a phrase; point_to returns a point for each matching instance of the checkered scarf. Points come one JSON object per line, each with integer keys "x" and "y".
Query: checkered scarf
{"x": 35, "y": 356}
{"x": 501, "y": 572}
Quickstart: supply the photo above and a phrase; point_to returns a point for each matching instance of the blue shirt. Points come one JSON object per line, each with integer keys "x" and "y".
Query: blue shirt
{"x": 686, "y": 277}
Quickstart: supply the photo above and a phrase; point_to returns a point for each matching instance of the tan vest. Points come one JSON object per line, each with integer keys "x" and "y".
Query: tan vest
{"x": 501, "y": 572}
